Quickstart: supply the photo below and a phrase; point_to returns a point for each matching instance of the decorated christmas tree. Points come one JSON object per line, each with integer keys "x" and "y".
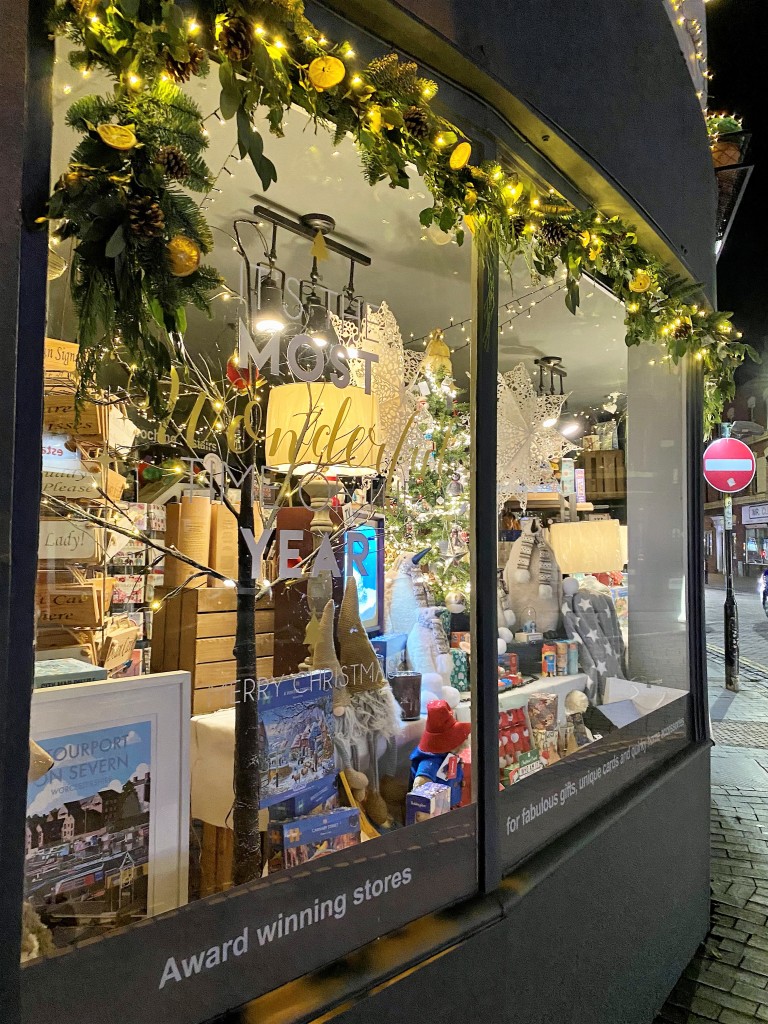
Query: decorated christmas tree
{"x": 429, "y": 507}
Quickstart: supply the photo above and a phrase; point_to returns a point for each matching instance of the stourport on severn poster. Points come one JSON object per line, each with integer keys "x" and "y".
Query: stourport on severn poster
{"x": 87, "y": 831}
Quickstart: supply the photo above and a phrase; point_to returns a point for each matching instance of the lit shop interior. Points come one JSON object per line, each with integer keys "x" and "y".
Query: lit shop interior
{"x": 314, "y": 476}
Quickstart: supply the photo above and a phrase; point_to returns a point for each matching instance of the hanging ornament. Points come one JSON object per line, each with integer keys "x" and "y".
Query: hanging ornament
{"x": 454, "y": 487}
{"x": 437, "y": 356}
{"x": 460, "y": 156}
{"x": 238, "y": 376}
{"x": 117, "y": 136}
{"x": 319, "y": 250}
{"x": 325, "y": 72}
{"x": 183, "y": 255}
{"x": 525, "y": 445}
{"x": 455, "y": 602}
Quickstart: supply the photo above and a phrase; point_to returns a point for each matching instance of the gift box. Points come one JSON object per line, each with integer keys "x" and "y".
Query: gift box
{"x": 390, "y": 650}
{"x": 526, "y": 765}
{"x": 318, "y": 798}
{"x": 460, "y": 670}
{"x": 457, "y": 639}
{"x": 427, "y": 801}
{"x": 305, "y": 839}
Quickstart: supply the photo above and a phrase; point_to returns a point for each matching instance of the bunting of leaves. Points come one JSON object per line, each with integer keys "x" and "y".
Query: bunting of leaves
{"x": 122, "y": 204}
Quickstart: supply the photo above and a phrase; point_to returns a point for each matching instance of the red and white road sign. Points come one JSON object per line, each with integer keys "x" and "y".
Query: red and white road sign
{"x": 729, "y": 465}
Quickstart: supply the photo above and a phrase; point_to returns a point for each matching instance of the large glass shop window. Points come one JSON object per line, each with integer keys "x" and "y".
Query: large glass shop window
{"x": 253, "y": 614}
{"x": 592, "y": 650}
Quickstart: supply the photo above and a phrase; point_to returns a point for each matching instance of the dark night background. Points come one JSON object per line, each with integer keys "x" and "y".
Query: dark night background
{"x": 736, "y": 31}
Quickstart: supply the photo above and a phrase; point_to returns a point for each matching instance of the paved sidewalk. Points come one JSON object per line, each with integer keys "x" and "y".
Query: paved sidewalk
{"x": 727, "y": 980}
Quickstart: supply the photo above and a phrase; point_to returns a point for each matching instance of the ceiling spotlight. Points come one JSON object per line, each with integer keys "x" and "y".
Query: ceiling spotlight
{"x": 570, "y": 428}
{"x": 318, "y": 321}
{"x": 269, "y": 315}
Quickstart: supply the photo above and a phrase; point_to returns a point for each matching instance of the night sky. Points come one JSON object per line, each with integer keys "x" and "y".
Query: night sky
{"x": 737, "y": 57}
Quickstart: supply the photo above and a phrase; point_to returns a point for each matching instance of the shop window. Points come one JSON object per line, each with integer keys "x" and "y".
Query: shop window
{"x": 253, "y": 609}
{"x": 593, "y": 681}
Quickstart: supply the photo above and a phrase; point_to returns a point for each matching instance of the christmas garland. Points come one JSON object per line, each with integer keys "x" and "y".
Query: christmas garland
{"x": 139, "y": 238}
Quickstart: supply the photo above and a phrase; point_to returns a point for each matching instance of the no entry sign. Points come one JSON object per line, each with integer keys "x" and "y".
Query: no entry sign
{"x": 729, "y": 465}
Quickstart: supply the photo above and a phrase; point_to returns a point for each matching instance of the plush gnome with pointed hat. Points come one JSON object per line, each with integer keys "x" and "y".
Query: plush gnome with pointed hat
{"x": 345, "y": 731}
{"x": 376, "y": 711}
{"x": 436, "y": 759}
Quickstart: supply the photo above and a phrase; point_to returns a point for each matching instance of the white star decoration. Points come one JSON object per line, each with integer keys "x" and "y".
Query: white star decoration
{"x": 601, "y": 667}
{"x": 392, "y": 379}
{"x": 592, "y": 634}
{"x": 525, "y": 445}
{"x": 584, "y": 604}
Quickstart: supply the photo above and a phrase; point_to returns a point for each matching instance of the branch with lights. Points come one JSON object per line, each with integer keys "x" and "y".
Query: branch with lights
{"x": 139, "y": 238}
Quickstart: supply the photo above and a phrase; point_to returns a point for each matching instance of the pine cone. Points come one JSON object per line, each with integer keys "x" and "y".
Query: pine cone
{"x": 145, "y": 218}
{"x": 174, "y": 163}
{"x": 682, "y": 331}
{"x": 182, "y": 70}
{"x": 553, "y": 232}
{"x": 416, "y": 122}
{"x": 518, "y": 224}
{"x": 389, "y": 74}
{"x": 236, "y": 38}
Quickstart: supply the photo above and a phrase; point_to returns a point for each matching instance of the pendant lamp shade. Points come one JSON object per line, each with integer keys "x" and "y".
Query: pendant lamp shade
{"x": 341, "y": 436}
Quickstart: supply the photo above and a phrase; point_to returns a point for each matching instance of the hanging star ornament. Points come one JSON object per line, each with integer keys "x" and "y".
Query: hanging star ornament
{"x": 393, "y": 379}
{"x": 525, "y": 444}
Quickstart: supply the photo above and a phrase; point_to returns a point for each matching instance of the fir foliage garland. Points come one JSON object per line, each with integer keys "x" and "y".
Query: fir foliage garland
{"x": 122, "y": 206}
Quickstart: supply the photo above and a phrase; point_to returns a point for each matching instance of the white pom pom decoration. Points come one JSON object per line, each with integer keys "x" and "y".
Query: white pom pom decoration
{"x": 501, "y": 646}
{"x": 509, "y": 617}
{"x": 570, "y": 586}
{"x": 452, "y": 696}
{"x": 507, "y": 635}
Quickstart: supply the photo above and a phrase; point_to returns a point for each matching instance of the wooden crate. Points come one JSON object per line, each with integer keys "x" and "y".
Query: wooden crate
{"x": 195, "y": 631}
{"x": 604, "y": 474}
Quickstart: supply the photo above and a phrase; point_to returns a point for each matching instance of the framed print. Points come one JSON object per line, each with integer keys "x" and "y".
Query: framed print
{"x": 107, "y": 827}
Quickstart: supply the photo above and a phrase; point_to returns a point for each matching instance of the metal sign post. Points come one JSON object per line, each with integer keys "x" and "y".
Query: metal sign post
{"x": 730, "y": 608}
{"x": 729, "y": 466}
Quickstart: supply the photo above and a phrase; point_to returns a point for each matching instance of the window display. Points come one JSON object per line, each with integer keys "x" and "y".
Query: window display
{"x": 593, "y": 662}
{"x": 284, "y": 522}
{"x": 274, "y": 513}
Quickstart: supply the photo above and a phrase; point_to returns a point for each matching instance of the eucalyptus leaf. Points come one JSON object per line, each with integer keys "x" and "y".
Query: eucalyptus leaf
{"x": 229, "y": 100}
{"x": 266, "y": 171}
{"x": 116, "y": 243}
{"x": 156, "y": 310}
{"x": 180, "y": 318}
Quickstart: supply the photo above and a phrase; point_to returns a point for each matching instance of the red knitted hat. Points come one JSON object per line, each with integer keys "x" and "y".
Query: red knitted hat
{"x": 443, "y": 733}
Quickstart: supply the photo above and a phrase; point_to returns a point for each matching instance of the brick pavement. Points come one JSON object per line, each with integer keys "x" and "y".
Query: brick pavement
{"x": 727, "y": 981}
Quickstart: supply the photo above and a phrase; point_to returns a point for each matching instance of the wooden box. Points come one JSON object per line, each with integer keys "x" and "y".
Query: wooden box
{"x": 195, "y": 631}
{"x": 604, "y": 474}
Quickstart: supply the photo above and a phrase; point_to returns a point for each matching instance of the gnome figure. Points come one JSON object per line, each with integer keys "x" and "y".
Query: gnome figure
{"x": 376, "y": 711}
{"x": 345, "y": 732}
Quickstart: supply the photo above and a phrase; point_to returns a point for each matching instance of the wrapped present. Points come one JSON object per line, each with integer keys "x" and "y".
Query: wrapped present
{"x": 460, "y": 670}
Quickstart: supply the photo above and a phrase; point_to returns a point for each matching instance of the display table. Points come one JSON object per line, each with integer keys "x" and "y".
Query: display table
{"x": 212, "y": 746}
